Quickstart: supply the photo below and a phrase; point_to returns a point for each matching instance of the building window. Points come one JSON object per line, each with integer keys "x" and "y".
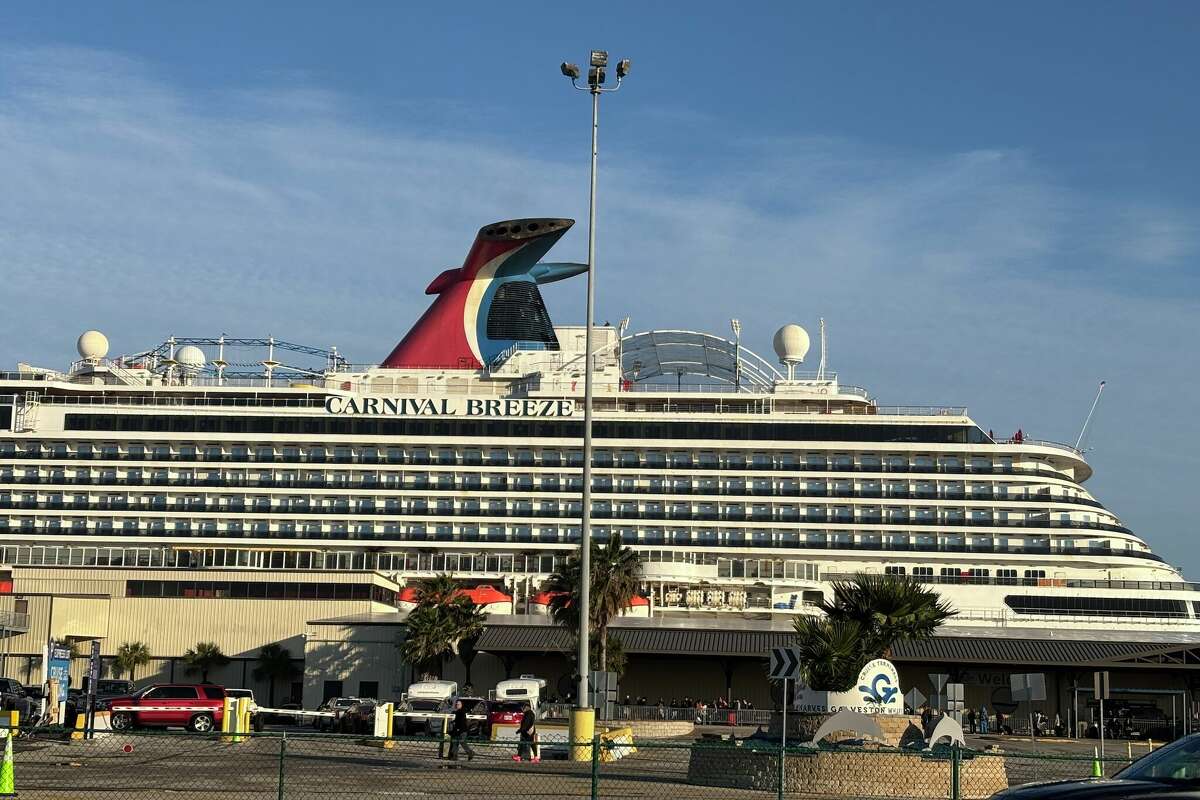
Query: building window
{"x": 894, "y": 570}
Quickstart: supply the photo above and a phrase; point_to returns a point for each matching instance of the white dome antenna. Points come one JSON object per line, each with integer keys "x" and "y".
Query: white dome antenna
{"x": 92, "y": 346}
{"x": 191, "y": 359}
{"x": 791, "y": 345}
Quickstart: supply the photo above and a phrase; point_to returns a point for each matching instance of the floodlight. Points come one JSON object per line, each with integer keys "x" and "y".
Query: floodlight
{"x": 599, "y": 58}
{"x": 622, "y": 67}
{"x": 570, "y": 70}
{"x": 596, "y": 76}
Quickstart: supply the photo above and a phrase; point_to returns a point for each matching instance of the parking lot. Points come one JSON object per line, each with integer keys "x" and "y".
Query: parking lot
{"x": 182, "y": 766}
{"x": 306, "y": 765}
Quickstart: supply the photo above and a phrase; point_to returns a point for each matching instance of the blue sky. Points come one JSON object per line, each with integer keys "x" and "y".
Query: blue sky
{"x": 994, "y": 206}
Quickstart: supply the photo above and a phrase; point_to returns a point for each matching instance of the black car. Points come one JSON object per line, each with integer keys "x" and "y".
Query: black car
{"x": 1169, "y": 773}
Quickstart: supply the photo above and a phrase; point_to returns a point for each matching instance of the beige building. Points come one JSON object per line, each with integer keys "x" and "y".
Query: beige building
{"x": 172, "y": 610}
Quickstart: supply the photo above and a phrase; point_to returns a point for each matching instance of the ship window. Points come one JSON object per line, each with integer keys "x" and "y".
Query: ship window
{"x": 518, "y": 313}
{"x": 894, "y": 570}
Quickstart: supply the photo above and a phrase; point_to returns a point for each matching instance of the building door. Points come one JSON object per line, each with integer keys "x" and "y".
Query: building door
{"x": 331, "y": 689}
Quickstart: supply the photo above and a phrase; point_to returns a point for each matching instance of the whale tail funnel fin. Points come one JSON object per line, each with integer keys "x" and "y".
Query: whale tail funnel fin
{"x": 460, "y": 329}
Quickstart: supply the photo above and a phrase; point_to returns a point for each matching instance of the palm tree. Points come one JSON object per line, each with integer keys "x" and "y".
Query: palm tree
{"x": 888, "y": 609}
{"x": 443, "y": 618}
{"x": 130, "y": 656}
{"x": 616, "y": 572}
{"x": 204, "y": 657}
{"x": 274, "y": 662}
{"x": 867, "y": 616}
{"x": 831, "y": 653}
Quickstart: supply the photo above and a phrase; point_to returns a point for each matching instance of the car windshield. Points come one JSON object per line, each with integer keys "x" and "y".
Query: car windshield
{"x": 424, "y": 705}
{"x": 507, "y": 707}
{"x": 1178, "y": 762}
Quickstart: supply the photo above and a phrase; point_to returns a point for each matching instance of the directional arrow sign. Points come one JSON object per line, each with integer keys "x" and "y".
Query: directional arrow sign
{"x": 785, "y": 663}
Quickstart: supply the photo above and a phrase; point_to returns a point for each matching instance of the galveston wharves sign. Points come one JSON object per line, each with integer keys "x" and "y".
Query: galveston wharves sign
{"x": 447, "y": 407}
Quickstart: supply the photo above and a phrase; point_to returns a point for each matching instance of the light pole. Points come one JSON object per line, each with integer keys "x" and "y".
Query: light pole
{"x": 598, "y": 63}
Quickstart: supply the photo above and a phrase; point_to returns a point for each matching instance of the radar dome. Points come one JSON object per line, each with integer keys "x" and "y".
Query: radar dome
{"x": 791, "y": 344}
{"x": 92, "y": 345}
{"x": 190, "y": 357}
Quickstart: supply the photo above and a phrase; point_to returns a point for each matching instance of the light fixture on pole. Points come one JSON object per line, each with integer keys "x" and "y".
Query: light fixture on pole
{"x": 597, "y": 64}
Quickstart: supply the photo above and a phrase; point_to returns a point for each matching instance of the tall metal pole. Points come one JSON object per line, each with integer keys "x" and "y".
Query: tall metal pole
{"x": 585, "y": 530}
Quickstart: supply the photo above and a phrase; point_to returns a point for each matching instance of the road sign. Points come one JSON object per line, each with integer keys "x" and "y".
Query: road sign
{"x": 938, "y": 680}
{"x": 1101, "y": 685}
{"x": 785, "y": 663}
{"x": 914, "y": 699}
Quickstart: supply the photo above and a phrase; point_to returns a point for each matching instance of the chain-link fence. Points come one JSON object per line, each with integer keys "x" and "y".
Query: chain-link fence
{"x": 278, "y": 765}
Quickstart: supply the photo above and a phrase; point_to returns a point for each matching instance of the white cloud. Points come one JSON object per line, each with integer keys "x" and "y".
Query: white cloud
{"x": 963, "y": 278}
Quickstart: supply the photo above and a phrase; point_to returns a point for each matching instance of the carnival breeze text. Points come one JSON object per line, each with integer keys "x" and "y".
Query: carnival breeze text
{"x": 448, "y": 407}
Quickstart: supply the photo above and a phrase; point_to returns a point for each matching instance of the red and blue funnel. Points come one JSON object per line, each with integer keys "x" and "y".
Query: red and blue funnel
{"x": 491, "y": 302}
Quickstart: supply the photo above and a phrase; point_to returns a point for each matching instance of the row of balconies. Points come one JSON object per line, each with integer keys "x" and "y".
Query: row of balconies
{"x": 729, "y": 515}
{"x": 599, "y": 485}
{"x": 574, "y": 461}
{"x": 781, "y": 540}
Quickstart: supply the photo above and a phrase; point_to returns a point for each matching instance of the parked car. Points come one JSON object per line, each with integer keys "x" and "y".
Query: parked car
{"x": 475, "y": 707}
{"x": 338, "y": 705}
{"x": 359, "y": 717}
{"x": 10, "y": 690}
{"x": 1169, "y": 773}
{"x": 504, "y": 712}
{"x": 198, "y": 707}
{"x": 417, "y": 717}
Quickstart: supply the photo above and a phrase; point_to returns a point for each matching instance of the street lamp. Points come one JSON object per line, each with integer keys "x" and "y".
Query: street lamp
{"x": 597, "y": 63}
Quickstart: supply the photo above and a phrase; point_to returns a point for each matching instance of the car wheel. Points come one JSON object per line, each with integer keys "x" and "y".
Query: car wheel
{"x": 121, "y": 721}
{"x": 201, "y": 723}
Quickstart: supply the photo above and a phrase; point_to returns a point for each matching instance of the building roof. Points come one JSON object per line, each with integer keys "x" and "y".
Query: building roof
{"x": 956, "y": 649}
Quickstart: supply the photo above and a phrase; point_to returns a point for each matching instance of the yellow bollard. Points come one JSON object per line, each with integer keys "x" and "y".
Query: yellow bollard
{"x": 582, "y": 729}
{"x": 1097, "y": 770}
{"x": 227, "y": 716}
{"x": 389, "y": 711}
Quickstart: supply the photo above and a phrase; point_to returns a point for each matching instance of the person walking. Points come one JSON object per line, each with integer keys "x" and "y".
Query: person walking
{"x": 527, "y": 733}
{"x": 983, "y": 719}
{"x": 971, "y": 721}
{"x": 459, "y": 728}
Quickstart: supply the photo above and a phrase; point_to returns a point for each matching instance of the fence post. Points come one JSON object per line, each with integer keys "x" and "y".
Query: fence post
{"x": 955, "y": 763}
{"x": 782, "y": 767}
{"x": 595, "y": 766}
{"x": 282, "y": 756}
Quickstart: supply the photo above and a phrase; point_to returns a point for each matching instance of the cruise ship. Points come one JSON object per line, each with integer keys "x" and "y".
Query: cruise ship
{"x": 746, "y": 487}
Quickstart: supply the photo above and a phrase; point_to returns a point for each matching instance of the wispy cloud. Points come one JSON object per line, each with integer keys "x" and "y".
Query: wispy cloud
{"x": 967, "y": 277}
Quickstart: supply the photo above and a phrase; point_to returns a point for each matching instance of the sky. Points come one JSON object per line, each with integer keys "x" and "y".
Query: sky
{"x": 995, "y": 206}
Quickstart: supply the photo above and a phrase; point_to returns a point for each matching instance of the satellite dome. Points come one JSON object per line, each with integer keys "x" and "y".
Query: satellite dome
{"x": 92, "y": 345}
{"x": 791, "y": 344}
{"x": 190, "y": 358}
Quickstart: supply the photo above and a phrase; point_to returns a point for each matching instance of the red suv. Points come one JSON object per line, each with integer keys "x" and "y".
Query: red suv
{"x": 504, "y": 712}
{"x": 198, "y": 707}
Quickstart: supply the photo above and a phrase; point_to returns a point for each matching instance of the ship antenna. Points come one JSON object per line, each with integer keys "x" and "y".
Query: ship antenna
{"x": 1086, "y": 422}
{"x": 821, "y": 366}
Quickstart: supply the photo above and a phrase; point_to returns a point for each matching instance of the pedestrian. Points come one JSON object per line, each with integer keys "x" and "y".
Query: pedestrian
{"x": 527, "y": 733}
{"x": 459, "y": 728}
{"x": 983, "y": 719}
{"x": 971, "y": 720}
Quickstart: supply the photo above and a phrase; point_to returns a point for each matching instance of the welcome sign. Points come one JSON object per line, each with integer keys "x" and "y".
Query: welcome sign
{"x": 447, "y": 407}
{"x": 877, "y": 692}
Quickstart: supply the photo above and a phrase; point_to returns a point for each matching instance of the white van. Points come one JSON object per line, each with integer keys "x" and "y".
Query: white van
{"x": 422, "y": 707}
{"x": 527, "y": 689}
